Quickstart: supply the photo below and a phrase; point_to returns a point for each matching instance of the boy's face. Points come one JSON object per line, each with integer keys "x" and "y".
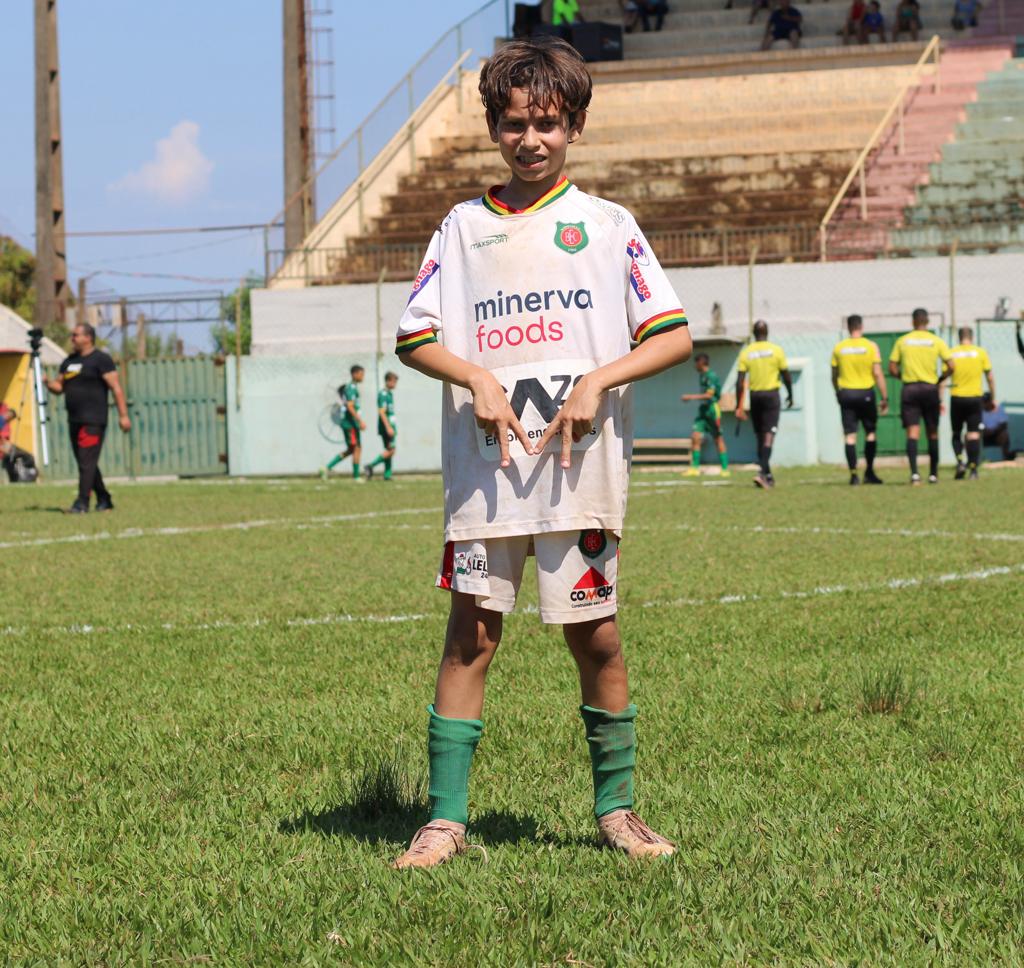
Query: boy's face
{"x": 532, "y": 139}
{"x": 391, "y": 382}
{"x": 702, "y": 366}
{"x": 357, "y": 377}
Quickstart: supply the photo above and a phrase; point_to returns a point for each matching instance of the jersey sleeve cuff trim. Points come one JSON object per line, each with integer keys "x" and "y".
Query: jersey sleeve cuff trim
{"x": 410, "y": 341}
{"x": 660, "y": 323}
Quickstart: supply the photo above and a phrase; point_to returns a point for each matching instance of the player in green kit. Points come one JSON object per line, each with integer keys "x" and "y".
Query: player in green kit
{"x": 386, "y": 426}
{"x": 709, "y": 415}
{"x": 351, "y": 424}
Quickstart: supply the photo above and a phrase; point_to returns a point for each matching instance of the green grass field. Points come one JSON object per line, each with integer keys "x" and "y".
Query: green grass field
{"x": 213, "y": 734}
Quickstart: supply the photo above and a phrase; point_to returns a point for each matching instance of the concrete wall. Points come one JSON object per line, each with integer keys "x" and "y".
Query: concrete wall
{"x": 305, "y": 340}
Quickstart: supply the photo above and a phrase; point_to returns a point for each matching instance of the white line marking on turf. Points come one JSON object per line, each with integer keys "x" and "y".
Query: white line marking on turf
{"x": 203, "y": 528}
{"x": 880, "y": 532}
{"x": 891, "y": 584}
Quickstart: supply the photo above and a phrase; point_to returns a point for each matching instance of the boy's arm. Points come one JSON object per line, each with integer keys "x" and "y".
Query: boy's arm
{"x": 490, "y": 405}
{"x": 576, "y": 418}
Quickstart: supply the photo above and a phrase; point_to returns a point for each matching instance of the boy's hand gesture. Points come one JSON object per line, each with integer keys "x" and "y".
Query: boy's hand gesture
{"x": 576, "y": 418}
{"x": 494, "y": 415}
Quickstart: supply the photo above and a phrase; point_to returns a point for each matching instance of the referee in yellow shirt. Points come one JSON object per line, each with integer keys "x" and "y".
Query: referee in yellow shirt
{"x": 856, "y": 371}
{"x": 966, "y": 400}
{"x": 915, "y": 360}
{"x": 767, "y": 366}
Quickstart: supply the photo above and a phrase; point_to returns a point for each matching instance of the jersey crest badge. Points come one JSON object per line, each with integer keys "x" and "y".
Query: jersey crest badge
{"x": 571, "y": 237}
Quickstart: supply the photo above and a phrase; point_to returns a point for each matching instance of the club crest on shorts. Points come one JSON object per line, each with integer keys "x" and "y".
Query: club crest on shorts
{"x": 571, "y": 236}
{"x": 593, "y": 541}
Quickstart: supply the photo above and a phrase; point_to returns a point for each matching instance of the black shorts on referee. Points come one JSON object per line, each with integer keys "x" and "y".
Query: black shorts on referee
{"x": 765, "y": 408}
{"x": 858, "y": 407}
{"x": 965, "y": 414}
{"x": 920, "y": 401}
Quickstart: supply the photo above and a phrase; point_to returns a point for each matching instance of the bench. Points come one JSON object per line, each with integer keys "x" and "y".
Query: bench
{"x": 661, "y": 450}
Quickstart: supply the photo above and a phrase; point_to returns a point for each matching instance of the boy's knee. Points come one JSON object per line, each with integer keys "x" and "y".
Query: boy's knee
{"x": 596, "y": 642}
{"x": 474, "y": 634}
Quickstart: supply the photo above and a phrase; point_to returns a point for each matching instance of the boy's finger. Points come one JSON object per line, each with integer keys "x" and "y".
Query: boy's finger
{"x": 502, "y": 432}
{"x": 566, "y": 444}
{"x": 553, "y": 428}
{"x": 517, "y": 429}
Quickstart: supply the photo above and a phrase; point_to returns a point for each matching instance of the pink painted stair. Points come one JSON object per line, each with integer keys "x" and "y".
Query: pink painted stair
{"x": 929, "y": 122}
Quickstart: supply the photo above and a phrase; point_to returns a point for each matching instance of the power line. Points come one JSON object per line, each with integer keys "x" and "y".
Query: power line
{"x": 193, "y": 230}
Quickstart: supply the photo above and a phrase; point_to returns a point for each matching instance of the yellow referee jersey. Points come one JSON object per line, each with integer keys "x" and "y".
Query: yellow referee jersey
{"x": 971, "y": 362}
{"x": 764, "y": 362}
{"x": 855, "y": 360}
{"x": 918, "y": 353}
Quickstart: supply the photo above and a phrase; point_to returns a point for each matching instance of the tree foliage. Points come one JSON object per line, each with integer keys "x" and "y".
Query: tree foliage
{"x": 223, "y": 333}
{"x": 17, "y": 278}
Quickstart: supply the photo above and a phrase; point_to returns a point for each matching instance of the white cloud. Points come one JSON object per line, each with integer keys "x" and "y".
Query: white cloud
{"x": 179, "y": 171}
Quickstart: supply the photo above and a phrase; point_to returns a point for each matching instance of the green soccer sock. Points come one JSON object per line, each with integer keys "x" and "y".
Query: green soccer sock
{"x": 723, "y": 458}
{"x": 378, "y": 460}
{"x": 695, "y": 457}
{"x": 334, "y": 462}
{"x": 451, "y": 744}
{"x": 355, "y": 470}
{"x": 387, "y": 468}
{"x": 612, "y": 741}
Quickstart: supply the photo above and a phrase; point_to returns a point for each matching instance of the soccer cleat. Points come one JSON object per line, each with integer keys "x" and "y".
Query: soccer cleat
{"x": 726, "y": 473}
{"x": 691, "y": 472}
{"x": 961, "y": 471}
{"x": 915, "y": 480}
{"x": 933, "y": 479}
{"x": 358, "y": 480}
{"x": 368, "y": 471}
{"x": 872, "y": 478}
{"x": 433, "y": 844}
{"x": 323, "y": 473}
{"x": 78, "y": 508}
{"x": 762, "y": 482}
{"x": 973, "y": 476}
{"x": 854, "y": 479}
{"x": 106, "y": 505}
{"x": 624, "y": 830}
{"x": 770, "y": 478}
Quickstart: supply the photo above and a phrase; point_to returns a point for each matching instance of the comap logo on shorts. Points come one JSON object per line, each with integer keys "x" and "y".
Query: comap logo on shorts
{"x": 592, "y": 589}
{"x": 571, "y": 236}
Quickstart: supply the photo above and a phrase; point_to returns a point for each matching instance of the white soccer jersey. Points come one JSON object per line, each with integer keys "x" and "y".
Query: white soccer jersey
{"x": 539, "y": 297}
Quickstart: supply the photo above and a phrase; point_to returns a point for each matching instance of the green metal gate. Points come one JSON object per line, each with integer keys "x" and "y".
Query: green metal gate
{"x": 179, "y": 427}
{"x": 890, "y": 427}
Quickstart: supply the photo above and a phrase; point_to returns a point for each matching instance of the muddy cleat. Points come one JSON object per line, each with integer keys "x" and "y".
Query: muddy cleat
{"x": 915, "y": 480}
{"x": 872, "y": 478}
{"x": 691, "y": 472}
{"x": 624, "y": 830}
{"x": 854, "y": 480}
{"x": 433, "y": 844}
{"x": 961, "y": 471}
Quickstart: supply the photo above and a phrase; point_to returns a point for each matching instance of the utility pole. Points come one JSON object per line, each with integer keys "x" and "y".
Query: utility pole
{"x": 298, "y": 131}
{"x": 51, "y": 266}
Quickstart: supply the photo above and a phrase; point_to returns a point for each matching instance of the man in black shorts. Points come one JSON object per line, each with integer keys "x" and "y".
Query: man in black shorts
{"x": 85, "y": 379}
{"x": 856, "y": 371}
{"x": 915, "y": 360}
{"x": 972, "y": 363}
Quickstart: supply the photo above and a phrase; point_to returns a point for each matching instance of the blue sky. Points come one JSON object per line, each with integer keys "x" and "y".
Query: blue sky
{"x": 172, "y": 117}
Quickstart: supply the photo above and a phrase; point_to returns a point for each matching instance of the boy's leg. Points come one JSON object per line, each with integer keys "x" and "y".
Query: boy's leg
{"x": 696, "y": 443}
{"x": 723, "y": 452}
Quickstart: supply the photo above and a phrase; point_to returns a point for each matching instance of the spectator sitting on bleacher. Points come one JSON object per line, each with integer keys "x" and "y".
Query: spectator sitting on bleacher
{"x": 965, "y": 14}
{"x": 855, "y": 15}
{"x": 908, "y": 20}
{"x": 783, "y": 24}
{"x": 527, "y": 16}
{"x": 872, "y": 23}
{"x": 630, "y": 14}
{"x": 652, "y": 8}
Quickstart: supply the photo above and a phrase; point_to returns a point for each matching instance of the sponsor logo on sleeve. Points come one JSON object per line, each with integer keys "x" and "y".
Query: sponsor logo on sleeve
{"x": 636, "y": 251}
{"x": 495, "y": 239}
{"x": 571, "y": 237}
{"x": 427, "y": 273}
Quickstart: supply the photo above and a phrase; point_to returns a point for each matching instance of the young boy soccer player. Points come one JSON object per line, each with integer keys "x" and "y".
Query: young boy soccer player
{"x": 531, "y": 338}
{"x": 709, "y": 415}
{"x": 351, "y": 424}
{"x": 385, "y": 425}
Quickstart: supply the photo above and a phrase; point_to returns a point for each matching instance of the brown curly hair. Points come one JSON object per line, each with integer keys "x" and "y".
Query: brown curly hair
{"x": 547, "y": 68}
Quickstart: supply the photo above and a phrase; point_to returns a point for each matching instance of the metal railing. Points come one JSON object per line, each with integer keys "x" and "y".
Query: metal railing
{"x": 896, "y": 108}
{"x": 344, "y": 166}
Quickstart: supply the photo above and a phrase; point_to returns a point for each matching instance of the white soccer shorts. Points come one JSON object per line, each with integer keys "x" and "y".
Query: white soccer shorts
{"x": 577, "y": 572}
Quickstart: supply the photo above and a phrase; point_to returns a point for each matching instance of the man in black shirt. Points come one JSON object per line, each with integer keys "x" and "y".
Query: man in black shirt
{"x": 85, "y": 379}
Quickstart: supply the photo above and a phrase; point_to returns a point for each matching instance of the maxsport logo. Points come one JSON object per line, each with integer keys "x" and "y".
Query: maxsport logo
{"x": 592, "y": 589}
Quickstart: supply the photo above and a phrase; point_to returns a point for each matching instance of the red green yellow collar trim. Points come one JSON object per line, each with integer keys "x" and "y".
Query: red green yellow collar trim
{"x": 493, "y": 204}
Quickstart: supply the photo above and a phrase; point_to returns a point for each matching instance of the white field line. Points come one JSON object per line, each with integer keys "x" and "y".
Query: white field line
{"x": 856, "y": 532}
{"x": 255, "y": 523}
{"x": 891, "y": 584}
